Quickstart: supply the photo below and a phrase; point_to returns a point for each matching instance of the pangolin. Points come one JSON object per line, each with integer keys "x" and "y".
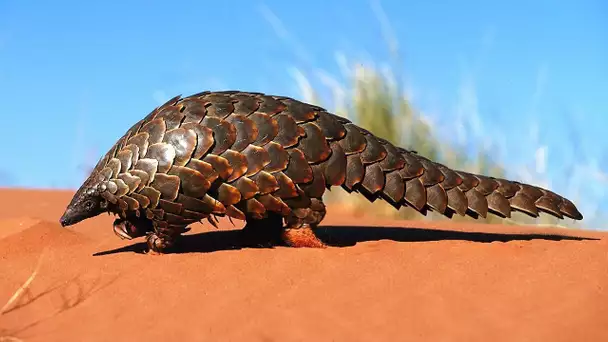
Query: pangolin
{"x": 268, "y": 160}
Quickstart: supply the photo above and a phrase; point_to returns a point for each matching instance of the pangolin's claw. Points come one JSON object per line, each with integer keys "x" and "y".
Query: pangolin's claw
{"x": 121, "y": 230}
{"x": 213, "y": 223}
{"x": 157, "y": 244}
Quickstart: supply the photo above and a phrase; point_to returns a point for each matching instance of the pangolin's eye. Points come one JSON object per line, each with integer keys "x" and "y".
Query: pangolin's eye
{"x": 88, "y": 205}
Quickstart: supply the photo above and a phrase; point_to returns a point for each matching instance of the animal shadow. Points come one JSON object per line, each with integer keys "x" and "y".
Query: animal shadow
{"x": 343, "y": 236}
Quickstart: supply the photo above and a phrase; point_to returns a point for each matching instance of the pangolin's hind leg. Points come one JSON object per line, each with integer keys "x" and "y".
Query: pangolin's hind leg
{"x": 297, "y": 231}
{"x": 300, "y": 225}
{"x": 265, "y": 232}
{"x": 163, "y": 237}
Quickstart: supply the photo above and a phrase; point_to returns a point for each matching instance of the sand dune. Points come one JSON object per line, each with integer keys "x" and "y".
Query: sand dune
{"x": 388, "y": 280}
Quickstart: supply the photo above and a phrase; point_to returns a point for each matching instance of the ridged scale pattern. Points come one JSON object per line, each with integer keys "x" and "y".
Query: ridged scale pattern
{"x": 243, "y": 155}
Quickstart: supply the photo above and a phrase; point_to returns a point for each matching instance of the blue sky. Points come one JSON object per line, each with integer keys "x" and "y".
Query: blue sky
{"x": 74, "y": 75}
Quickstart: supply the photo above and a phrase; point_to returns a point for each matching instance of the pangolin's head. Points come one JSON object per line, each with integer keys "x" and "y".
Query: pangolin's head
{"x": 86, "y": 203}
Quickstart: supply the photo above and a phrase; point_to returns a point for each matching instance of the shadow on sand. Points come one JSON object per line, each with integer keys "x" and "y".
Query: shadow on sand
{"x": 343, "y": 236}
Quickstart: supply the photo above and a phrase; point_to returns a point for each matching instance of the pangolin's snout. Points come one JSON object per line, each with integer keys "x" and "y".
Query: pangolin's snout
{"x": 64, "y": 220}
{"x": 68, "y": 218}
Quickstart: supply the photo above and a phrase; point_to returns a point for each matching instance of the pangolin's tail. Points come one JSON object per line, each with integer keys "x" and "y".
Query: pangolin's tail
{"x": 377, "y": 169}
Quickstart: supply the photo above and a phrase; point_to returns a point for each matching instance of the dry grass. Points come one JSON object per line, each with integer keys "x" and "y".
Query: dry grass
{"x": 374, "y": 97}
{"x": 72, "y": 292}
{"x": 24, "y": 288}
{"x": 374, "y": 101}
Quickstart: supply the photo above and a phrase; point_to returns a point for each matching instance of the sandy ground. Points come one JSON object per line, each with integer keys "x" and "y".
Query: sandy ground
{"x": 389, "y": 280}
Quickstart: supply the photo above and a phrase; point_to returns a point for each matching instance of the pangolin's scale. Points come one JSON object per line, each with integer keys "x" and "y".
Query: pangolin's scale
{"x": 244, "y": 155}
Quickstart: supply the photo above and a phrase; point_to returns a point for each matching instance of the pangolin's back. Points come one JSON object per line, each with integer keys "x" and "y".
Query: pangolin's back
{"x": 243, "y": 154}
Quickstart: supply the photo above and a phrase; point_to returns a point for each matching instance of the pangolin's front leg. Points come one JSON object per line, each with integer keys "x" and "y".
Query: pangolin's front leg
{"x": 159, "y": 235}
{"x": 132, "y": 227}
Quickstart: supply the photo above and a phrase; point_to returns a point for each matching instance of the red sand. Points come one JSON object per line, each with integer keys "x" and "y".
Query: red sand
{"x": 436, "y": 282}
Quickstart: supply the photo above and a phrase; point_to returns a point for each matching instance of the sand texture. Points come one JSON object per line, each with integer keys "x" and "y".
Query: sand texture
{"x": 387, "y": 281}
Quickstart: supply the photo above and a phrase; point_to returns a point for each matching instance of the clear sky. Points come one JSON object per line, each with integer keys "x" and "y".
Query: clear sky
{"x": 74, "y": 75}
